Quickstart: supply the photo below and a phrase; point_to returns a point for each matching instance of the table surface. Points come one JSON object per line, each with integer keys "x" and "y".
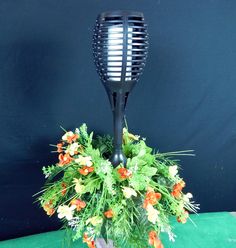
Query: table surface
{"x": 211, "y": 230}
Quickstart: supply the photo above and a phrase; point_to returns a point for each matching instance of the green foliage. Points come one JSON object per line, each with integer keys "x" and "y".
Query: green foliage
{"x": 84, "y": 138}
{"x": 94, "y": 199}
{"x": 104, "y": 144}
{"x": 148, "y": 171}
{"x": 47, "y": 171}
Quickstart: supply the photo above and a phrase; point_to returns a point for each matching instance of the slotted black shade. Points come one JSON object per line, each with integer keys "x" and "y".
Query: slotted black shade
{"x": 120, "y": 46}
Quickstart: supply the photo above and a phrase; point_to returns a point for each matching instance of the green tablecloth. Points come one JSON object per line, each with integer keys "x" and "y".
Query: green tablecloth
{"x": 212, "y": 230}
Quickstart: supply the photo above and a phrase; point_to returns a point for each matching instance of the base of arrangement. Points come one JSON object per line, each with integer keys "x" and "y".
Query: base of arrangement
{"x": 101, "y": 243}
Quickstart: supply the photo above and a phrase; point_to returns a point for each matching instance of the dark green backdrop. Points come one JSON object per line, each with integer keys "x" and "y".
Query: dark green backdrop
{"x": 186, "y": 98}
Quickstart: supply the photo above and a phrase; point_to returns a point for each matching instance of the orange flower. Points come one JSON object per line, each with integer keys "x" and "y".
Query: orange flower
{"x": 90, "y": 242}
{"x": 48, "y": 208}
{"x": 177, "y": 189}
{"x": 72, "y": 138}
{"x": 86, "y": 170}
{"x": 64, "y": 189}
{"x": 124, "y": 173}
{"x": 50, "y": 211}
{"x": 183, "y": 219}
{"x": 109, "y": 214}
{"x": 154, "y": 240}
{"x": 151, "y": 198}
{"x": 78, "y": 203}
{"x": 64, "y": 159}
{"x": 176, "y": 193}
{"x": 59, "y": 147}
{"x": 69, "y": 137}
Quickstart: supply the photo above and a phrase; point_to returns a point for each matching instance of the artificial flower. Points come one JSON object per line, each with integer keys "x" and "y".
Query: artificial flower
{"x": 73, "y": 149}
{"x": 86, "y": 170}
{"x": 66, "y": 211}
{"x": 124, "y": 173}
{"x": 64, "y": 188}
{"x": 187, "y": 197}
{"x": 89, "y": 183}
{"x": 129, "y": 136}
{"x": 178, "y": 208}
{"x": 105, "y": 167}
{"x": 183, "y": 218}
{"x": 129, "y": 192}
{"x": 73, "y": 223}
{"x": 89, "y": 240}
{"x": 154, "y": 240}
{"x": 59, "y": 147}
{"x": 85, "y": 161}
{"x": 171, "y": 235}
{"x": 48, "y": 208}
{"x": 151, "y": 198}
{"x": 173, "y": 170}
{"x": 177, "y": 189}
{"x": 64, "y": 159}
{"x": 96, "y": 220}
{"x": 69, "y": 137}
{"x": 109, "y": 214}
{"x": 153, "y": 214}
{"x": 79, "y": 187}
{"x": 79, "y": 204}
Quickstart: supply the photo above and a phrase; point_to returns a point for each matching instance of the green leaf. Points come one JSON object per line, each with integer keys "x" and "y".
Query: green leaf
{"x": 109, "y": 182}
{"x": 135, "y": 163}
{"x": 91, "y": 185}
{"x": 103, "y": 190}
{"x": 90, "y": 139}
{"x": 149, "y": 158}
{"x": 149, "y": 171}
{"x": 138, "y": 182}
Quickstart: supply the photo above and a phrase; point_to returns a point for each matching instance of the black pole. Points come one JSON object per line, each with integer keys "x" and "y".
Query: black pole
{"x": 118, "y": 156}
{"x": 119, "y": 63}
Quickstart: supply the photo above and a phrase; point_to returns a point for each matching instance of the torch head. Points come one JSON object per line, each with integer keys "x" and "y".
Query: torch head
{"x": 120, "y": 44}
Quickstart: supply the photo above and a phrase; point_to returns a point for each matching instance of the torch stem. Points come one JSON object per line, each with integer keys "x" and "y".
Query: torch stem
{"x": 118, "y": 156}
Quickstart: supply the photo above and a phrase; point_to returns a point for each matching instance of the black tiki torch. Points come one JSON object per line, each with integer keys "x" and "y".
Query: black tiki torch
{"x": 120, "y": 46}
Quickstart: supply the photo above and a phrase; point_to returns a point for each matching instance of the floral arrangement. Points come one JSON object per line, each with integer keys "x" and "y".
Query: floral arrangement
{"x": 130, "y": 205}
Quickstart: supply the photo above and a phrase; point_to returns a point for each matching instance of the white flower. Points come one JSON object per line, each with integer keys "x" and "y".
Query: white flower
{"x": 90, "y": 231}
{"x": 96, "y": 220}
{"x": 152, "y": 214}
{"x": 79, "y": 187}
{"x": 73, "y": 223}
{"x": 106, "y": 167}
{"x": 66, "y": 211}
{"x": 173, "y": 170}
{"x": 187, "y": 197}
{"x": 129, "y": 192}
{"x": 66, "y": 135}
{"x": 72, "y": 149}
{"x": 85, "y": 161}
{"x": 171, "y": 235}
{"x": 77, "y": 131}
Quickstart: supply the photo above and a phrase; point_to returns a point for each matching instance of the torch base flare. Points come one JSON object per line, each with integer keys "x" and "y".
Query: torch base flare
{"x": 118, "y": 158}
